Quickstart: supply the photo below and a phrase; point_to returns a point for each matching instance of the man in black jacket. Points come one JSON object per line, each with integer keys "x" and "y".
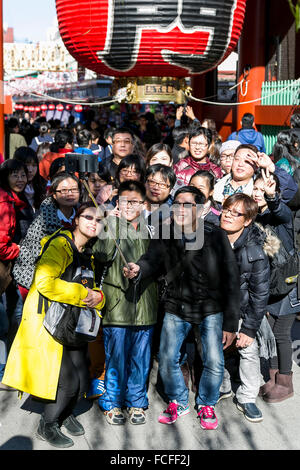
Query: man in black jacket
{"x": 203, "y": 290}
{"x": 248, "y": 242}
{"x": 122, "y": 146}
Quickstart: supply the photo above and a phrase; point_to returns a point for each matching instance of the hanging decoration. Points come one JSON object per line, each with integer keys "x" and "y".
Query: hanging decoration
{"x": 78, "y": 108}
{"x": 150, "y": 46}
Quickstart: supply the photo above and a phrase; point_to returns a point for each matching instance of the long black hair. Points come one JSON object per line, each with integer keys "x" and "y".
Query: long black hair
{"x": 129, "y": 161}
{"x": 287, "y": 146}
{"x": 27, "y": 155}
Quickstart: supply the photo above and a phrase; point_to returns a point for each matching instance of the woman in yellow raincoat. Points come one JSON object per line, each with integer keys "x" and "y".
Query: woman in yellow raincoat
{"x": 39, "y": 365}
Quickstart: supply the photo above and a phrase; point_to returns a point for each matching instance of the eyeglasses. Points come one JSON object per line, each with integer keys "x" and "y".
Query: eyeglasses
{"x": 198, "y": 144}
{"x": 90, "y": 217}
{"x": 125, "y": 202}
{"x": 129, "y": 172}
{"x": 64, "y": 192}
{"x": 153, "y": 183}
{"x": 185, "y": 205}
{"x": 226, "y": 157}
{"x": 233, "y": 212}
{"x": 120, "y": 141}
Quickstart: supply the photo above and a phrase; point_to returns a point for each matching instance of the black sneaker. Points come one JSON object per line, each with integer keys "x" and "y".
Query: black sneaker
{"x": 224, "y": 395}
{"x": 73, "y": 426}
{"x": 51, "y": 433}
{"x": 251, "y": 412}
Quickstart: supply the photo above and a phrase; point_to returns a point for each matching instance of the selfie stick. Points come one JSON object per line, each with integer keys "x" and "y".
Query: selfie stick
{"x": 82, "y": 164}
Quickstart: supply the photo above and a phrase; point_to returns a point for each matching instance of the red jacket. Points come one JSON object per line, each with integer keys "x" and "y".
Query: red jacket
{"x": 8, "y": 206}
{"x": 187, "y": 167}
{"x": 49, "y": 157}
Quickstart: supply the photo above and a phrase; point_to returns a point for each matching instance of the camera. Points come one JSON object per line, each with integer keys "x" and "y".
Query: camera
{"x": 81, "y": 163}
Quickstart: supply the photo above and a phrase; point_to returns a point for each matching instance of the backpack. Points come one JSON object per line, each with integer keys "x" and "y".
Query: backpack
{"x": 70, "y": 325}
{"x": 284, "y": 268}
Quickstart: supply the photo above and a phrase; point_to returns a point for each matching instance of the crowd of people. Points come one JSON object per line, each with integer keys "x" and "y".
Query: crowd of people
{"x": 187, "y": 247}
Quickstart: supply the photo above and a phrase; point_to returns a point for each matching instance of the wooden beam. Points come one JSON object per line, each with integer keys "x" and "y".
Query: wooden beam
{"x": 274, "y": 115}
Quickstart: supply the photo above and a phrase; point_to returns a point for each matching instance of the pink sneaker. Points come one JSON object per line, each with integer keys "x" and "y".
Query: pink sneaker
{"x": 173, "y": 412}
{"x": 208, "y": 419}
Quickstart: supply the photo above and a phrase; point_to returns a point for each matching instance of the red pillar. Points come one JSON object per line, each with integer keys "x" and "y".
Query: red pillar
{"x": 252, "y": 53}
{"x": 198, "y": 90}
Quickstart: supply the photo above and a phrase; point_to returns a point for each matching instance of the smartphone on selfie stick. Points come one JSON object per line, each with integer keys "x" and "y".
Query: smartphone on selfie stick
{"x": 84, "y": 164}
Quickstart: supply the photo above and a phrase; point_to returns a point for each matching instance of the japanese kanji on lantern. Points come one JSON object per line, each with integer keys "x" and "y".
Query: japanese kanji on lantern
{"x": 169, "y": 39}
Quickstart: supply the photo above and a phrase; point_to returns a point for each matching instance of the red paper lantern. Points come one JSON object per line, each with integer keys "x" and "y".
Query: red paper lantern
{"x": 163, "y": 38}
{"x": 60, "y": 107}
{"x": 17, "y": 107}
{"x": 51, "y": 107}
{"x": 21, "y": 106}
{"x": 26, "y": 109}
{"x": 44, "y": 107}
{"x": 78, "y": 108}
{"x": 69, "y": 107}
{"x": 37, "y": 109}
{"x": 31, "y": 109}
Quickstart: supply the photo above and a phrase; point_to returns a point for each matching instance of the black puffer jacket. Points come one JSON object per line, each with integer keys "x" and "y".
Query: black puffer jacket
{"x": 207, "y": 281}
{"x": 254, "y": 268}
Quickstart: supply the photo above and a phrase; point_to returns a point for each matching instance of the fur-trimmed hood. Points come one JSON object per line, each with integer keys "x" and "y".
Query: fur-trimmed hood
{"x": 271, "y": 243}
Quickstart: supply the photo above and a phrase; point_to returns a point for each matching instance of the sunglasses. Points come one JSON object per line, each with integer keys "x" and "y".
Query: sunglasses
{"x": 90, "y": 218}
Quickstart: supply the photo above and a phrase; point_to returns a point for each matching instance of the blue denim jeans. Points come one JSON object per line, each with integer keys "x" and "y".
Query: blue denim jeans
{"x": 127, "y": 365}
{"x": 3, "y": 335}
{"x": 173, "y": 334}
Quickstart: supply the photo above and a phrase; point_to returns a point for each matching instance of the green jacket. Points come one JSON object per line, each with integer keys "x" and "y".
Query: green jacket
{"x": 16, "y": 141}
{"x": 128, "y": 303}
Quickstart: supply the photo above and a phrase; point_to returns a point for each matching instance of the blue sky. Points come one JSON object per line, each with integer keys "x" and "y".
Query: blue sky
{"x": 29, "y": 18}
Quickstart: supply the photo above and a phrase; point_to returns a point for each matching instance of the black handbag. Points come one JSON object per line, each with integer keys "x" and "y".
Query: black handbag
{"x": 70, "y": 325}
{"x": 5, "y": 275}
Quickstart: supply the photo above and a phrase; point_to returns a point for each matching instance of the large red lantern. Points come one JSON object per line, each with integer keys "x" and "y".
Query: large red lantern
{"x": 51, "y": 107}
{"x": 78, "y": 108}
{"x": 162, "y": 38}
{"x": 44, "y": 107}
{"x": 60, "y": 107}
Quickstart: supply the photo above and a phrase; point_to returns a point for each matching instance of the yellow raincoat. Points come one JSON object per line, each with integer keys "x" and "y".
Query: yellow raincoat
{"x": 34, "y": 361}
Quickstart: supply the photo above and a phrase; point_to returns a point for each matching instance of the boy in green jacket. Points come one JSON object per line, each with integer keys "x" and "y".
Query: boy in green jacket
{"x": 130, "y": 312}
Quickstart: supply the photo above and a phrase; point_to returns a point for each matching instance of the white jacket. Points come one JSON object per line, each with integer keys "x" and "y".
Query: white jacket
{"x": 219, "y": 188}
